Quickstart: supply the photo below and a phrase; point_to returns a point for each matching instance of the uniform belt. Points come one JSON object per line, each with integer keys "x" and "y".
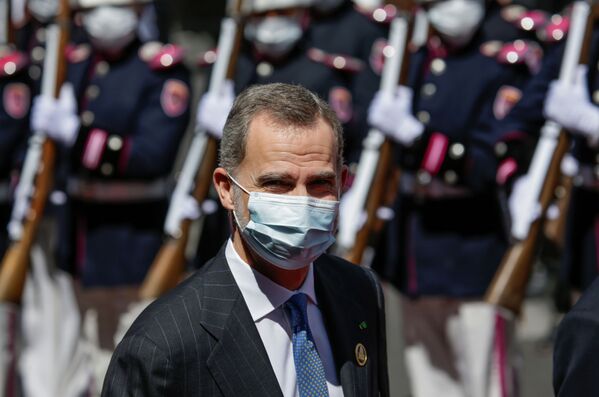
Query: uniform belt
{"x": 435, "y": 189}
{"x": 587, "y": 178}
{"x": 118, "y": 192}
{"x": 5, "y": 192}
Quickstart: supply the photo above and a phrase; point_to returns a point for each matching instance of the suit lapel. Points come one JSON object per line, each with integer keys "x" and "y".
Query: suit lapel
{"x": 238, "y": 361}
{"x": 341, "y": 316}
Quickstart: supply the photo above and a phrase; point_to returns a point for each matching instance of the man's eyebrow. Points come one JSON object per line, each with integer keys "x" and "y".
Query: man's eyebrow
{"x": 272, "y": 176}
{"x": 323, "y": 175}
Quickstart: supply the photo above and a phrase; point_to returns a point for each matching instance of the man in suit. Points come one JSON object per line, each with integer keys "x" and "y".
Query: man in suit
{"x": 576, "y": 353}
{"x": 270, "y": 315}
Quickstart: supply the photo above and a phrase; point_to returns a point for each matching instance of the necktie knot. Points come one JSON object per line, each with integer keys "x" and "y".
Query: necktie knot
{"x": 298, "y": 314}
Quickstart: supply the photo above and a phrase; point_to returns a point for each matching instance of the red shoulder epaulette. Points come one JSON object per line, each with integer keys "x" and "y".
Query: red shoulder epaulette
{"x": 515, "y": 52}
{"x": 76, "y": 53}
{"x": 208, "y": 58}
{"x": 555, "y": 30}
{"x": 12, "y": 61}
{"x": 524, "y": 19}
{"x": 336, "y": 61}
{"x": 549, "y": 29}
{"x": 161, "y": 56}
{"x": 382, "y": 15}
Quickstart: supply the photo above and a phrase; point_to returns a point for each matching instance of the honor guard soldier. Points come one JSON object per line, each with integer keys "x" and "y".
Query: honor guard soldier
{"x": 15, "y": 94}
{"x": 122, "y": 113}
{"x": 576, "y": 108}
{"x": 447, "y": 240}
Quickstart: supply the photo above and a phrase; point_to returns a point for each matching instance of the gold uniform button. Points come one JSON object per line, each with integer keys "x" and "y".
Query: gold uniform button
{"x": 40, "y": 35}
{"x": 92, "y": 92}
{"x": 456, "y": 151}
{"x": 450, "y": 177}
{"x": 424, "y": 116}
{"x": 106, "y": 169}
{"x": 264, "y": 69}
{"x": 339, "y": 62}
{"x": 87, "y": 118}
{"x": 35, "y": 72}
{"x": 423, "y": 177}
{"x": 500, "y": 149}
{"x": 115, "y": 143}
{"x": 438, "y": 66}
{"x": 361, "y": 355}
{"x": 37, "y": 54}
{"x": 102, "y": 68}
{"x": 429, "y": 89}
{"x": 166, "y": 60}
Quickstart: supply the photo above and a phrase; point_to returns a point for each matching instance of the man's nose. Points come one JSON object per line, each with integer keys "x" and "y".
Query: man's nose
{"x": 300, "y": 190}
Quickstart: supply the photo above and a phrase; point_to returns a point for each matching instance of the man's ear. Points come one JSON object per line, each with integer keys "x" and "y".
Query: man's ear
{"x": 224, "y": 188}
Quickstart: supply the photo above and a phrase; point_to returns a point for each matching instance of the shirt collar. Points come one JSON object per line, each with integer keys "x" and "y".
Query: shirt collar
{"x": 261, "y": 294}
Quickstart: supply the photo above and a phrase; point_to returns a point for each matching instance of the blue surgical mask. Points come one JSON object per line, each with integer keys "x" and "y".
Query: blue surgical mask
{"x": 288, "y": 231}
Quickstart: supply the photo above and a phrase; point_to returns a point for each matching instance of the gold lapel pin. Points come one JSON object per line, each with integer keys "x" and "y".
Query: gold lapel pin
{"x": 361, "y": 355}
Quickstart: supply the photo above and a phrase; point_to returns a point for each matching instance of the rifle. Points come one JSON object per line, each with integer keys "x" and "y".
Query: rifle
{"x": 5, "y": 29}
{"x": 509, "y": 284}
{"x": 37, "y": 174}
{"x": 377, "y": 177}
{"x": 196, "y": 173}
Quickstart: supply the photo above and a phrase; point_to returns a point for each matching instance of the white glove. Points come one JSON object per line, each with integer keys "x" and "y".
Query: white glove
{"x": 392, "y": 114}
{"x": 184, "y": 208}
{"x": 520, "y": 212}
{"x": 214, "y": 108}
{"x": 57, "y": 117}
{"x": 190, "y": 209}
{"x": 569, "y": 105}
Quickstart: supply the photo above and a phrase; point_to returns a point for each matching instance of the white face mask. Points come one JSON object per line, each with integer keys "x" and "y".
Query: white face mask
{"x": 111, "y": 28}
{"x": 274, "y": 36}
{"x": 43, "y": 10}
{"x": 456, "y": 21}
{"x": 288, "y": 231}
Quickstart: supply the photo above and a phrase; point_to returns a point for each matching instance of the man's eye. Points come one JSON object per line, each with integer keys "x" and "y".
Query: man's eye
{"x": 276, "y": 185}
{"x": 322, "y": 182}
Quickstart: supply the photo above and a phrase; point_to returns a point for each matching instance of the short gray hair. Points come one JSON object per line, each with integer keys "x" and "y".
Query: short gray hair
{"x": 287, "y": 104}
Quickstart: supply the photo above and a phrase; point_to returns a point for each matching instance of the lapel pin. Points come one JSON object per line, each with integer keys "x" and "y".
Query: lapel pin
{"x": 363, "y": 325}
{"x": 361, "y": 355}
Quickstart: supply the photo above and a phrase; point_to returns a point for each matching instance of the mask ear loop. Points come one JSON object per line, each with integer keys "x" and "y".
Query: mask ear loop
{"x": 246, "y": 191}
{"x": 237, "y": 183}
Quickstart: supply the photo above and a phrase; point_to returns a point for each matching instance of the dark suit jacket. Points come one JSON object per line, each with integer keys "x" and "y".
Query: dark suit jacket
{"x": 576, "y": 352}
{"x": 200, "y": 338}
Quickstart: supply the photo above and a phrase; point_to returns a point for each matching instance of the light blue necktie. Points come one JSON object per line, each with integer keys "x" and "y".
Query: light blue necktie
{"x": 311, "y": 380}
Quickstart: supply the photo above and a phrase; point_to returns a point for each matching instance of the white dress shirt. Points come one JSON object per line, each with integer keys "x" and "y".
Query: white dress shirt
{"x": 264, "y": 298}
